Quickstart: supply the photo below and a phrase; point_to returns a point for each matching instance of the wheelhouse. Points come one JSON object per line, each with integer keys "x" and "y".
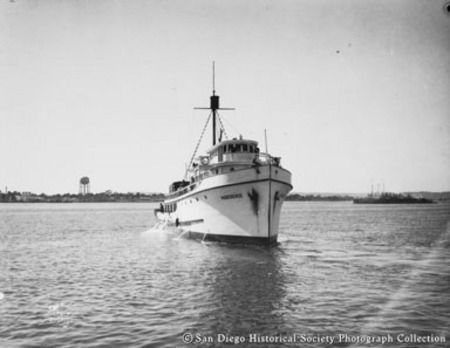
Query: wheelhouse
{"x": 235, "y": 150}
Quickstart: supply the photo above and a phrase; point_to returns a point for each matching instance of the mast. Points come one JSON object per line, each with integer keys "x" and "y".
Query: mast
{"x": 214, "y": 101}
{"x": 214, "y": 106}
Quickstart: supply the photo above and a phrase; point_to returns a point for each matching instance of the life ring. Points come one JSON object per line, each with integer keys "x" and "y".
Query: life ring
{"x": 205, "y": 160}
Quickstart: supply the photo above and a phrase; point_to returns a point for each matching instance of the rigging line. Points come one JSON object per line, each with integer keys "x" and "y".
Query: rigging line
{"x": 222, "y": 127}
{"x": 198, "y": 144}
{"x": 231, "y": 125}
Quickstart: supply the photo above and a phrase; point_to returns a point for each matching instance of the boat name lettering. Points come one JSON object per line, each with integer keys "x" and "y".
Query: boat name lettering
{"x": 232, "y": 196}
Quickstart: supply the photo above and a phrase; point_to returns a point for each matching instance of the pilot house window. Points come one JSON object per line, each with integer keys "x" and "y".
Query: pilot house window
{"x": 234, "y": 148}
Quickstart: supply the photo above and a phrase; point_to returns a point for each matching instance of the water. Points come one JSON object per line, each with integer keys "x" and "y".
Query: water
{"x": 99, "y": 275}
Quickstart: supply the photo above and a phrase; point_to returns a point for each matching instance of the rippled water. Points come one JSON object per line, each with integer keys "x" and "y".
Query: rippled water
{"x": 99, "y": 275}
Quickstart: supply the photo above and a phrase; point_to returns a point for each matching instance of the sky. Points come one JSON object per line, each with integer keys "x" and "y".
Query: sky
{"x": 351, "y": 93}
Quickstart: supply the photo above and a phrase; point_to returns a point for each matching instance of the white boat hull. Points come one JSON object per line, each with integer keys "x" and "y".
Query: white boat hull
{"x": 243, "y": 206}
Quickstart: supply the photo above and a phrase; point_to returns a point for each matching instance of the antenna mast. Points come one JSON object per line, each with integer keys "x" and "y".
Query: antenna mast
{"x": 214, "y": 78}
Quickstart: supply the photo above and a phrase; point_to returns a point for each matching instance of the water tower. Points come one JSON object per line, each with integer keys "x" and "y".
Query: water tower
{"x": 84, "y": 185}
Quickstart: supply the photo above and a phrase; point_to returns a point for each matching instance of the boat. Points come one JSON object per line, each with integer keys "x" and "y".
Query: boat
{"x": 391, "y": 198}
{"x": 233, "y": 193}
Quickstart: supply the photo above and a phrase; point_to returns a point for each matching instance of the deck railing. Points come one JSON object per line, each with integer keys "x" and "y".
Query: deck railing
{"x": 261, "y": 159}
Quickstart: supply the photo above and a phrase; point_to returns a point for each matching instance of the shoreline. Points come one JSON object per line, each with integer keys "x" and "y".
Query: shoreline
{"x": 109, "y": 197}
